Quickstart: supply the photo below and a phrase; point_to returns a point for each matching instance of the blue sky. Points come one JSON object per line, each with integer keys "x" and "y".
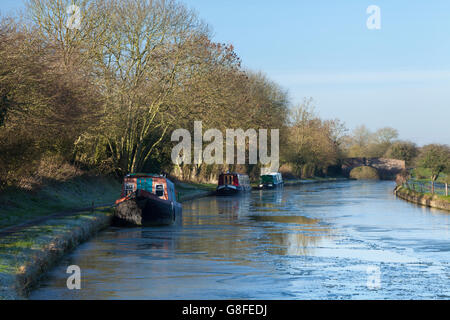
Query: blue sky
{"x": 397, "y": 76}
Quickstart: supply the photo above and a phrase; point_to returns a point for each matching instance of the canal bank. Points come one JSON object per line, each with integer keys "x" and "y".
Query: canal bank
{"x": 297, "y": 182}
{"x": 28, "y": 253}
{"x": 428, "y": 200}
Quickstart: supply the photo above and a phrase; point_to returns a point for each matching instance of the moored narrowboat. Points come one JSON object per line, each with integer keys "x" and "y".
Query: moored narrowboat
{"x": 232, "y": 183}
{"x": 271, "y": 180}
{"x": 147, "y": 199}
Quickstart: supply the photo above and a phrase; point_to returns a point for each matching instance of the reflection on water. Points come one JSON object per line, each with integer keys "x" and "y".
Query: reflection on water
{"x": 243, "y": 226}
{"x": 311, "y": 242}
{"x": 286, "y": 219}
{"x": 297, "y": 238}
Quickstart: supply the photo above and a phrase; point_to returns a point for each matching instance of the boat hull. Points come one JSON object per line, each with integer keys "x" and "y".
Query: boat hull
{"x": 147, "y": 211}
{"x": 229, "y": 190}
{"x": 271, "y": 186}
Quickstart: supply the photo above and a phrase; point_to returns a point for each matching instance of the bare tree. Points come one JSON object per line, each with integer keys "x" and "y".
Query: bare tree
{"x": 137, "y": 48}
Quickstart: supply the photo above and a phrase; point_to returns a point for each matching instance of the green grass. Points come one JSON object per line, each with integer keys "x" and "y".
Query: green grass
{"x": 32, "y": 250}
{"x": 185, "y": 186}
{"x": 445, "y": 198}
{"x": 205, "y": 186}
{"x": 424, "y": 174}
{"x": 18, "y": 206}
{"x": 430, "y": 195}
{"x": 324, "y": 178}
{"x": 6, "y": 268}
{"x": 185, "y": 189}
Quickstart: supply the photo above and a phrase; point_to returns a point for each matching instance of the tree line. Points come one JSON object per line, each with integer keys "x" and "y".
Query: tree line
{"x": 106, "y": 95}
{"x": 316, "y": 147}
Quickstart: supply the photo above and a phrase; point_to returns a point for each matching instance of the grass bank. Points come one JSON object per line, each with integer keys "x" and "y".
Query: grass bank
{"x": 189, "y": 191}
{"x": 424, "y": 174}
{"x": 27, "y": 254}
{"x": 18, "y": 206}
{"x": 425, "y": 199}
{"x": 294, "y": 182}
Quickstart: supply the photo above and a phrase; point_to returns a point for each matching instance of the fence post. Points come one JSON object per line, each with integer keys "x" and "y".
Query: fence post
{"x": 446, "y": 189}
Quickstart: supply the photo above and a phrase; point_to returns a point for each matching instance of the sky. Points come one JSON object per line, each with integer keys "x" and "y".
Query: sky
{"x": 397, "y": 76}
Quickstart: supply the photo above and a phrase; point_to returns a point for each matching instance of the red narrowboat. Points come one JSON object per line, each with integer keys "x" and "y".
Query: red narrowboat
{"x": 233, "y": 183}
{"x": 147, "y": 199}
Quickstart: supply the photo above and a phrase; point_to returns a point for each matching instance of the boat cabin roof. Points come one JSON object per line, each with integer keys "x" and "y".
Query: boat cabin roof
{"x": 270, "y": 174}
{"x": 144, "y": 175}
{"x": 232, "y": 173}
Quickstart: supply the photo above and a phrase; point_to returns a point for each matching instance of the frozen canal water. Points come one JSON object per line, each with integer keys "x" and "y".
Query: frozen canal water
{"x": 345, "y": 240}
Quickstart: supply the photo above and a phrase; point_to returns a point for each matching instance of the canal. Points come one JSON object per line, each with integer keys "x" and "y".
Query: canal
{"x": 344, "y": 240}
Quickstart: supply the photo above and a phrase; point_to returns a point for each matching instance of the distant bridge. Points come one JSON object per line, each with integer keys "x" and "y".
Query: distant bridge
{"x": 387, "y": 168}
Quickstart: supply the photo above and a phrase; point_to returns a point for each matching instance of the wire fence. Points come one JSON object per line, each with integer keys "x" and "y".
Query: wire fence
{"x": 426, "y": 187}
